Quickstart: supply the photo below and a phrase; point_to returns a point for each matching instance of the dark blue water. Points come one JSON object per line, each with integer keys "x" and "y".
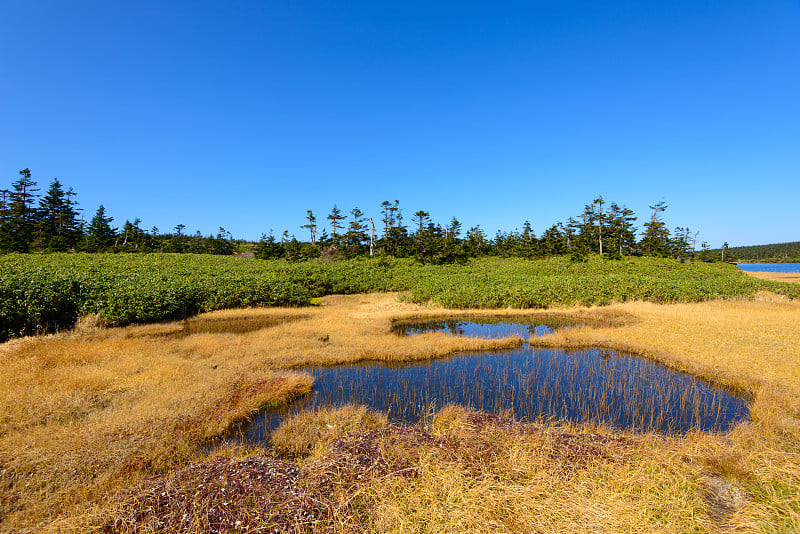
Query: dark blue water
{"x": 485, "y": 327}
{"x": 771, "y": 267}
{"x": 534, "y": 384}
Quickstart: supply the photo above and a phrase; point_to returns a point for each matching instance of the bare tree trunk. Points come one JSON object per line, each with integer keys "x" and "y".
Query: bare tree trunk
{"x": 601, "y": 239}
{"x": 371, "y": 238}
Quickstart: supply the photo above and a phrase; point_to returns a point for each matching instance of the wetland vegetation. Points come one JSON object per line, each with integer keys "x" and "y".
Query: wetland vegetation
{"x": 91, "y": 415}
{"x": 46, "y": 293}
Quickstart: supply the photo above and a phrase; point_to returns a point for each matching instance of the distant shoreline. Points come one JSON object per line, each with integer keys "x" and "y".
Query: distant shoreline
{"x": 770, "y": 260}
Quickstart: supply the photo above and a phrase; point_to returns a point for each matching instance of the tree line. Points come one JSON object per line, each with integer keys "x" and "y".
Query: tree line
{"x": 604, "y": 228}
{"x": 781, "y": 252}
{"x": 52, "y": 222}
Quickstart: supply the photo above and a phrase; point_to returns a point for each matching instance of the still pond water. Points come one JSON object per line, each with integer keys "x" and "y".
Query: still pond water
{"x": 532, "y": 384}
{"x": 485, "y": 327}
{"x": 771, "y": 267}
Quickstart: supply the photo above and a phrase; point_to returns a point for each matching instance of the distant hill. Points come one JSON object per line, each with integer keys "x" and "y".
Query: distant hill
{"x": 773, "y": 252}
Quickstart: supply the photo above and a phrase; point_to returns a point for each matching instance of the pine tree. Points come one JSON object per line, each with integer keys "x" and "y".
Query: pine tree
{"x": 58, "y": 228}
{"x": 622, "y": 232}
{"x": 19, "y": 217}
{"x": 421, "y": 218}
{"x": 267, "y": 248}
{"x": 356, "y": 234}
{"x": 100, "y": 235}
{"x": 312, "y": 225}
{"x": 336, "y": 217}
{"x": 656, "y": 241}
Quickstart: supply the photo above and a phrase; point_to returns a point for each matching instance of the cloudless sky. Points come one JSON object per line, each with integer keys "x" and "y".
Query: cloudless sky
{"x": 246, "y": 114}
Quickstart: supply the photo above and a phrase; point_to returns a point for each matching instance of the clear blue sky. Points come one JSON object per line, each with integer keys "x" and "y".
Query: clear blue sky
{"x": 246, "y": 114}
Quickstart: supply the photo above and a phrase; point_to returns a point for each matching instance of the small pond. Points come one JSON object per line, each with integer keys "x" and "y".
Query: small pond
{"x": 533, "y": 384}
{"x": 487, "y": 327}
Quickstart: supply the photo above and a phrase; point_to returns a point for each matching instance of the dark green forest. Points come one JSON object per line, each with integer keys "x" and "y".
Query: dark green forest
{"x": 53, "y": 222}
{"x": 778, "y": 252}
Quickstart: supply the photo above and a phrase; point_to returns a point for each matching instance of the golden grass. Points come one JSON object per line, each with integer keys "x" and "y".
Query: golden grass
{"x": 86, "y": 414}
{"x": 299, "y": 435}
{"x": 776, "y": 277}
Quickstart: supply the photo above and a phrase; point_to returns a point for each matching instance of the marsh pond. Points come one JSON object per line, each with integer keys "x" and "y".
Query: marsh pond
{"x": 532, "y": 384}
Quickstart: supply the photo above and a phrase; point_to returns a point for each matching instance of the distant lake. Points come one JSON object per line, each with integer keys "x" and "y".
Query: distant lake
{"x": 771, "y": 267}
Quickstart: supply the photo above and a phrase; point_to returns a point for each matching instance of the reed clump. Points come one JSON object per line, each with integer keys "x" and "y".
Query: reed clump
{"x": 299, "y": 435}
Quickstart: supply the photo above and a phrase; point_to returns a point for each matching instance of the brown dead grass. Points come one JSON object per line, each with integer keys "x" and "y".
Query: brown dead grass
{"x": 299, "y": 435}
{"x": 776, "y": 277}
{"x": 84, "y": 415}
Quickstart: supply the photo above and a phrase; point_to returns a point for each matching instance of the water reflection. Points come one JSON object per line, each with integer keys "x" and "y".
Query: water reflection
{"x": 487, "y": 327}
{"x": 592, "y": 385}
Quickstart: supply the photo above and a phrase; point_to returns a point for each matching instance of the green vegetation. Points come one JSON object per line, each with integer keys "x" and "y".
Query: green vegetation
{"x": 44, "y": 293}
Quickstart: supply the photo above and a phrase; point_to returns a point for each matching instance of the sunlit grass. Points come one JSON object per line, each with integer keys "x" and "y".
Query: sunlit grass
{"x": 84, "y": 415}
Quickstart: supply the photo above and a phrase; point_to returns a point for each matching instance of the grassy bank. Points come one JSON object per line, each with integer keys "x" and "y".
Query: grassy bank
{"x": 87, "y": 417}
{"x": 45, "y": 293}
{"x": 793, "y": 278}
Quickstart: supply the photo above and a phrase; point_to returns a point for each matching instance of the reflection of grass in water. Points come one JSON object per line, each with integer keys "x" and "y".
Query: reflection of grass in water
{"x": 623, "y": 391}
{"x": 490, "y": 326}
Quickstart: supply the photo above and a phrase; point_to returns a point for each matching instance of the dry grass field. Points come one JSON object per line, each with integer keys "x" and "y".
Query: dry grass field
{"x": 776, "y": 277}
{"x": 87, "y": 415}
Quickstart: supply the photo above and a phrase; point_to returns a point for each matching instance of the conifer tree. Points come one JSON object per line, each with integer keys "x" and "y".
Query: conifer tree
{"x": 312, "y": 225}
{"x": 336, "y": 218}
{"x": 58, "y": 227}
{"x": 19, "y": 216}
{"x": 356, "y": 234}
{"x": 267, "y": 248}
{"x": 656, "y": 240}
{"x": 100, "y": 235}
{"x": 622, "y": 233}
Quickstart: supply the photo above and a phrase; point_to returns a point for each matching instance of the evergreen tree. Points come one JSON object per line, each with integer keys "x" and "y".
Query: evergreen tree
{"x": 554, "y": 241}
{"x": 312, "y": 225}
{"x": 132, "y": 236}
{"x": 528, "y": 244}
{"x": 621, "y": 231}
{"x": 222, "y": 244}
{"x": 389, "y": 213}
{"x": 681, "y": 243}
{"x": 476, "y": 243}
{"x": 58, "y": 227}
{"x": 19, "y": 216}
{"x": 656, "y": 241}
{"x": 179, "y": 243}
{"x": 356, "y": 234}
{"x": 336, "y": 219}
{"x": 100, "y": 235}
{"x": 453, "y": 229}
{"x": 267, "y": 248}
{"x": 421, "y": 219}
{"x": 294, "y": 251}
